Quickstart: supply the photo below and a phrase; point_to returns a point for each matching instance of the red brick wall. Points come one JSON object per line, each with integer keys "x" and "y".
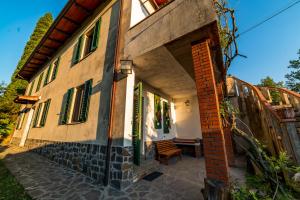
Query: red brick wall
{"x": 226, "y": 128}
{"x": 213, "y": 138}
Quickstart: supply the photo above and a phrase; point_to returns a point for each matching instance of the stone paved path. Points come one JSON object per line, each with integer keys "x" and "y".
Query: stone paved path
{"x": 44, "y": 179}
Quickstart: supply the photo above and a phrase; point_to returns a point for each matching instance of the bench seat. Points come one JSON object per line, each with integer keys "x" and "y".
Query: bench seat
{"x": 167, "y": 149}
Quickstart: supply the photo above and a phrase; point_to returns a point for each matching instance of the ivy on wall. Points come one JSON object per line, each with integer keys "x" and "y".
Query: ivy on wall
{"x": 157, "y": 112}
{"x": 166, "y": 117}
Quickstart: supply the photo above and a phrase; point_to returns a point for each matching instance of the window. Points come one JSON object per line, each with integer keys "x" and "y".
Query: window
{"x": 39, "y": 82}
{"x": 90, "y": 42}
{"x": 55, "y": 69}
{"x": 52, "y": 71}
{"x": 46, "y": 81}
{"x": 37, "y": 115}
{"x": 31, "y": 88}
{"x": 41, "y": 114}
{"x": 20, "y": 120}
{"x": 45, "y": 112}
{"x": 76, "y": 104}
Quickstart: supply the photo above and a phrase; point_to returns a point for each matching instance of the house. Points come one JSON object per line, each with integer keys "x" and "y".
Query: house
{"x": 111, "y": 77}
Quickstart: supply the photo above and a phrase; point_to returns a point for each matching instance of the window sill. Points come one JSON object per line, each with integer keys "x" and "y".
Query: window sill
{"x": 74, "y": 123}
{"x": 38, "y": 127}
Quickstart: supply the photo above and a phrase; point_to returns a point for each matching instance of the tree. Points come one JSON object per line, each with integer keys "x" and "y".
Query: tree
{"x": 293, "y": 78}
{"x": 8, "y": 109}
{"x": 2, "y": 88}
{"x": 269, "y": 82}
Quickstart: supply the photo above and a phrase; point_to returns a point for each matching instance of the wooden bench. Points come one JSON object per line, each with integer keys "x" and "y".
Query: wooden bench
{"x": 167, "y": 149}
{"x": 190, "y": 146}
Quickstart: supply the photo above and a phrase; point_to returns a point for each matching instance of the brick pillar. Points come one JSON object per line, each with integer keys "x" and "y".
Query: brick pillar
{"x": 213, "y": 139}
{"x": 226, "y": 128}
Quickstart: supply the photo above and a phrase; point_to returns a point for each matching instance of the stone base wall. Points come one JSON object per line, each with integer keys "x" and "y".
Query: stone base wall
{"x": 121, "y": 173}
{"x": 149, "y": 150}
{"x": 88, "y": 159}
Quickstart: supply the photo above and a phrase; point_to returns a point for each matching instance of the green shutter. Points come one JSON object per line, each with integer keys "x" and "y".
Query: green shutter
{"x": 40, "y": 81}
{"x": 96, "y": 35}
{"x": 77, "y": 50}
{"x": 55, "y": 69}
{"x": 137, "y": 123}
{"x": 157, "y": 112}
{"x": 37, "y": 114}
{"x": 45, "y": 112}
{"x": 86, "y": 100}
{"x": 166, "y": 117}
{"x": 31, "y": 88}
{"x": 46, "y": 81}
{"x": 66, "y": 106}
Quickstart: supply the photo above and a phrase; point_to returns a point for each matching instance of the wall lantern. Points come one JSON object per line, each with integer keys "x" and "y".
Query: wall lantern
{"x": 126, "y": 66}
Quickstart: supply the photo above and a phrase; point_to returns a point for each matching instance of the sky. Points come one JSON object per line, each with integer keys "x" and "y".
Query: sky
{"x": 268, "y": 48}
{"x": 17, "y": 21}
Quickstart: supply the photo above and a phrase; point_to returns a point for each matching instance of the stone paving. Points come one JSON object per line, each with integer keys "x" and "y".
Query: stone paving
{"x": 44, "y": 179}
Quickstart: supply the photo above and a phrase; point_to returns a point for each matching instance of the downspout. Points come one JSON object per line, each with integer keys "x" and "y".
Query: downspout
{"x": 112, "y": 107}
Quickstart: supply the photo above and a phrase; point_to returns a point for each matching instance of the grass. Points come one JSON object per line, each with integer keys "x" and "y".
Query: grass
{"x": 10, "y": 189}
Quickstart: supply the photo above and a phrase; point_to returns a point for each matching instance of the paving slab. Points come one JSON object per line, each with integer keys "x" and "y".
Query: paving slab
{"x": 46, "y": 180}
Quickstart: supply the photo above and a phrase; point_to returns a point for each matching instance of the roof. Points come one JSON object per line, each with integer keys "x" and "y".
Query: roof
{"x": 69, "y": 20}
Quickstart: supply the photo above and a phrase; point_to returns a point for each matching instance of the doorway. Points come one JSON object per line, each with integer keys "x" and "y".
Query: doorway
{"x": 27, "y": 127}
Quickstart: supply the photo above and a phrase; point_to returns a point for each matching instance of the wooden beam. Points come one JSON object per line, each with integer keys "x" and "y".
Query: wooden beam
{"x": 62, "y": 31}
{"x": 55, "y": 40}
{"x": 38, "y": 59}
{"x": 71, "y": 20}
{"x": 82, "y": 8}
{"x": 36, "y": 64}
{"x": 48, "y": 47}
{"x": 43, "y": 54}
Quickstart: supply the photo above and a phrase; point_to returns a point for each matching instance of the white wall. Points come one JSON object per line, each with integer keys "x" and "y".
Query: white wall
{"x": 188, "y": 118}
{"x": 149, "y": 131}
{"x": 138, "y": 13}
{"x": 129, "y": 110}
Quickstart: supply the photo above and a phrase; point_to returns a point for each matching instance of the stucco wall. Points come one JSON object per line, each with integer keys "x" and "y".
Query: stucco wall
{"x": 149, "y": 131}
{"x": 188, "y": 118}
{"x": 68, "y": 76}
{"x": 178, "y": 18}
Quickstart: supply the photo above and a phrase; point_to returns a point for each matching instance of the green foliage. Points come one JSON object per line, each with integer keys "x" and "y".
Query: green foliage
{"x": 269, "y": 82}
{"x": 293, "y": 78}
{"x": 243, "y": 193}
{"x": 10, "y": 189}
{"x": 227, "y": 109}
{"x": 271, "y": 180}
{"x": 8, "y": 109}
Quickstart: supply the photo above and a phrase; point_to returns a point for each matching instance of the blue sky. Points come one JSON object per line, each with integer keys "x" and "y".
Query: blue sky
{"x": 268, "y": 48}
{"x": 17, "y": 21}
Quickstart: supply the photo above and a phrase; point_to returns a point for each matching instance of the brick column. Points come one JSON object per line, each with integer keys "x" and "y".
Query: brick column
{"x": 212, "y": 133}
{"x": 226, "y": 128}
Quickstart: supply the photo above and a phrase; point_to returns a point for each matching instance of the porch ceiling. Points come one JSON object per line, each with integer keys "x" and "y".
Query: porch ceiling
{"x": 161, "y": 70}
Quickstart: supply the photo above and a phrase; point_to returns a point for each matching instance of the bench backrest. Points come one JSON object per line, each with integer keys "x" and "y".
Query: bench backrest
{"x": 165, "y": 145}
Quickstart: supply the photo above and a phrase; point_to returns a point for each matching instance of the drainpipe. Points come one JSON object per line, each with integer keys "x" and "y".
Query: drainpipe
{"x": 112, "y": 107}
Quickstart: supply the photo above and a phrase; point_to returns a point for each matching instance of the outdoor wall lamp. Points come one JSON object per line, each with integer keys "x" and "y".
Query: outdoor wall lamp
{"x": 126, "y": 67}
